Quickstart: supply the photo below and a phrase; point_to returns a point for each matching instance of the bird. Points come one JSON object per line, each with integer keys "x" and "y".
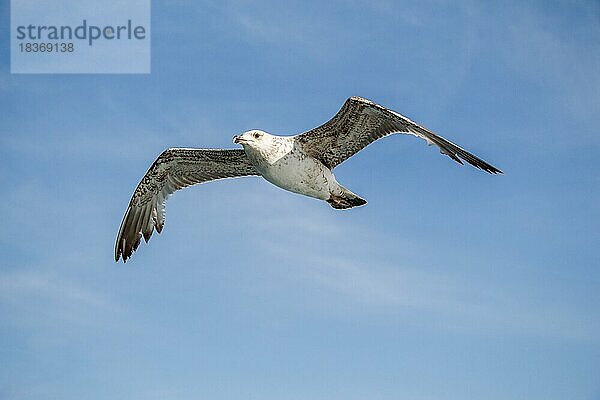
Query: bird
{"x": 301, "y": 164}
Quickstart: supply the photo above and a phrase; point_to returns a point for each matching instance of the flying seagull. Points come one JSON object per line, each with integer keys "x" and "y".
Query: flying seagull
{"x": 301, "y": 164}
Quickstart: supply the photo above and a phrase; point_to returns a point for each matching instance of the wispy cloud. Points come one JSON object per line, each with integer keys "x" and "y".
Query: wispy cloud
{"x": 16, "y": 286}
{"x": 557, "y": 59}
{"x": 39, "y": 297}
{"x": 361, "y": 268}
{"x": 544, "y": 55}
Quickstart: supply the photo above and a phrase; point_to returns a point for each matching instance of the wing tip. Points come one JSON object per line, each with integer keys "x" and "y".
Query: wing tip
{"x": 119, "y": 243}
{"x": 474, "y": 161}
{"x": 124, "y": 249}
{"x": 494, "y": 171}
{"x": 128, "y": 238}
{"x": 490, "y": 169}
{"x": 121, "y": 251}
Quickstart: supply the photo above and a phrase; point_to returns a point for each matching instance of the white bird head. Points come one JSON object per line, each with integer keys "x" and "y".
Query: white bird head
{"x": 261, "y": 145}
{"x": 255, "y": 138}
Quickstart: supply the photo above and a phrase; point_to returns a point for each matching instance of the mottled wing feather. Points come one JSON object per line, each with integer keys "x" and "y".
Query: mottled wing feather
{"x": 361, "y": 122}
{"x": 174, "y": 169}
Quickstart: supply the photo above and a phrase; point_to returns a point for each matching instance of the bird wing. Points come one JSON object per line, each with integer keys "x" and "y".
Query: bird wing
{"x": 174, "y": 169}
{"x": 361, "y": 122}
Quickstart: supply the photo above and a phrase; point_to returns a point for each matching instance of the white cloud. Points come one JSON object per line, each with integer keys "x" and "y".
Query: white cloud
{"x": 565, "y": 61}
{"x": 37, "y": 297}
{"x": 363, "y": 267}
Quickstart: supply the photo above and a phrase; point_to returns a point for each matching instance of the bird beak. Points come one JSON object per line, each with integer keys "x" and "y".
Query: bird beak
{"x": 238, "y": 139}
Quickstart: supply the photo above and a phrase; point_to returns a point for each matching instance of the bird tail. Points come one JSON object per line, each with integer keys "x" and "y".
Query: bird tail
{"x": 346, "y": 200}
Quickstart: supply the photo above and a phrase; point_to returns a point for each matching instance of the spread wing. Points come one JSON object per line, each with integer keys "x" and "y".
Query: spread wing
{"x": 174, "y": 169}
{"x": 360, "y": 122}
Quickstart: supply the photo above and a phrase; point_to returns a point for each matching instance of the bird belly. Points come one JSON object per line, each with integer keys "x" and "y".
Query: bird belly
{"x": 301, "y": 174}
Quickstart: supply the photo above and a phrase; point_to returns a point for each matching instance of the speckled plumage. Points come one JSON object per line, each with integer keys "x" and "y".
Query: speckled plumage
{"x": 301, "y": 164}
{"x": 360, "y": 122}
{"x": 174, "y": 169}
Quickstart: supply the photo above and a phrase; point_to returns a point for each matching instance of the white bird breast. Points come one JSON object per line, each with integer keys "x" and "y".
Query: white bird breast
{"x": 301, "y": 174}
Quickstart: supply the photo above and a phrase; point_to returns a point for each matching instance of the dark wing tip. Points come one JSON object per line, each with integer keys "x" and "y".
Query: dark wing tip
{"x": 121, "y": 250}
{"x": 482, "y": 165}
{"x": 479, "y": 163}
{"x": 493, "y": 170}
{"x": 459, "y": 154}
{"x": 137, "y": 223}
{"x": 120, "y": 243}
{"x": 125, "y": 249}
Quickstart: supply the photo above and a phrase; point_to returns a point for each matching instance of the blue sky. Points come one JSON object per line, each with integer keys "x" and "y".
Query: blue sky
{"x": 449, "y": 284}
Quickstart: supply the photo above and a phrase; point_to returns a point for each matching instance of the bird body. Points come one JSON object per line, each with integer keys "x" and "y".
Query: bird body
{"x": 287, "y": 166}
{"x": 301, "y": 164}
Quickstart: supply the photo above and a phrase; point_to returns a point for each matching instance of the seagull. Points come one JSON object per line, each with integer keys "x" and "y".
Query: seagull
{"x": 301, "y": 164}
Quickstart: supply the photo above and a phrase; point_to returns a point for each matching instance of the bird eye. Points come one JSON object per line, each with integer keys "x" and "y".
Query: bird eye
{"x": 256, "y": 135}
